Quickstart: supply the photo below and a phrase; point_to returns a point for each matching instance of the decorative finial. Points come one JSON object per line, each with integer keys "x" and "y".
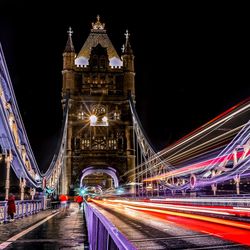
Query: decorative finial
{"x": 98, "y": 25}
{"x": 69, "y": 45}
{"x": 127, "y": 35}
{"x": 123, "y": 48}
{"x": 127, "y": 47}
{"x": 70, "y": 31}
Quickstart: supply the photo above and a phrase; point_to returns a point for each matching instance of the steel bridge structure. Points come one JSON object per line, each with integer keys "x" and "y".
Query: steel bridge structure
{"x": 214, "y": 153}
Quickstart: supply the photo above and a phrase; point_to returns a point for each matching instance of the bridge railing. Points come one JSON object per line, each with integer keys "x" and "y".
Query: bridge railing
{"x": 23, "y": 208}
{"x": 102, "y": 234}
{"x": 3, "y": 211}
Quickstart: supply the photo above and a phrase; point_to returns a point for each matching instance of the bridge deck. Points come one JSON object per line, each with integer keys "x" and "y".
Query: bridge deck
{"x": 152, "y": 230}
{"x": 46, "y": 230}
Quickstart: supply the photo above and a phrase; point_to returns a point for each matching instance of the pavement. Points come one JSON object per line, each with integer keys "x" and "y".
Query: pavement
{"x": 48, "y": 229}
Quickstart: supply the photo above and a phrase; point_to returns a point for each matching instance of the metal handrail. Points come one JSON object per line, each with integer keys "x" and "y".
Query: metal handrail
{"x": 23, "y": 209}
{"x": 101, "y": 232}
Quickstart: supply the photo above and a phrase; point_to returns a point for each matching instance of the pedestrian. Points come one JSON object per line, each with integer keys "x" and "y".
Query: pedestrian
{"x": 54, "y": 203}
{"x": 11, "y": 207}
{"x": 79, "y": 200}
{"x": 63, "y": 201}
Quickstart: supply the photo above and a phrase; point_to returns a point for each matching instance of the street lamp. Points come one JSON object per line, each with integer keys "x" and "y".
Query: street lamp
{"x": 93, "y": 120}
{"x": 98, "y": 121}
{"x": 105, "y": 119}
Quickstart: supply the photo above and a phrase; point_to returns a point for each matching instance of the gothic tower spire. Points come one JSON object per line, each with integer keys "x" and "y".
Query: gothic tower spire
{"x": 128, "y": 65}
{"x": 127, "y": 47}
{"x": 68, "y": 65}
{"x": 69, "y": 45}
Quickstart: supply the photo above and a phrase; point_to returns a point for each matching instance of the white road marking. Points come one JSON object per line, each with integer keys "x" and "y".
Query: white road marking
{"x": 14, "y": 238}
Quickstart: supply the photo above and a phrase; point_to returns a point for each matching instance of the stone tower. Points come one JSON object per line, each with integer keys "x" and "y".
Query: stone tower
{"x": 100, "y": 132}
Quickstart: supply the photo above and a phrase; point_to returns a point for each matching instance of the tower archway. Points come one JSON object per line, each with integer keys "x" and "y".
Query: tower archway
{"x": 93, "y": 170}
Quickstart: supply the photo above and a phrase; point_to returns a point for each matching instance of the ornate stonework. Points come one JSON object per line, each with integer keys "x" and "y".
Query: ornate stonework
{"x": 98, "y": 25}
{"x": 100, "y": 122}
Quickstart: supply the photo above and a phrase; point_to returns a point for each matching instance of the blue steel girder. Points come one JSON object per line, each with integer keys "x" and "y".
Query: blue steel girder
{"x": 153, "y": 164}
{"x": 233, "y": 162}
{"x": 54, "y": 171}
{"x": 214, "y": 142}
{"x": 12, "y": 132}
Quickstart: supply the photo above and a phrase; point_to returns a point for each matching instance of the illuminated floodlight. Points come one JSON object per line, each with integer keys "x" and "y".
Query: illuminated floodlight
{"x": 82, "y": 192}
{"x": 93, "y": 120}
{"x": 120, "y": 191}
{"x": 105, "y": 119}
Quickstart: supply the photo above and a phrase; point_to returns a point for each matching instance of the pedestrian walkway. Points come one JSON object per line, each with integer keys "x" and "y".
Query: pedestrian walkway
{"x": 46, "y": 230}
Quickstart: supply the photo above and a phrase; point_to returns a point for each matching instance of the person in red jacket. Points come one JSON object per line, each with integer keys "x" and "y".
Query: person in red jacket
{"x": 79, "y": 200}
{"x": 11, "y": 207}
{"x": 63, "y": 201}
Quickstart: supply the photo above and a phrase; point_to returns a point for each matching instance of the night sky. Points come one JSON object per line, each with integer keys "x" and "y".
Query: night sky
{"x": 191, "y": 61}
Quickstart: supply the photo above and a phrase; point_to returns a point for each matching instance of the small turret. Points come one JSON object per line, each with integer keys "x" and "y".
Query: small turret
{"x": 69, "y": 52}
{"x": 128, "y": 65}
{"x": 69, "y": 64}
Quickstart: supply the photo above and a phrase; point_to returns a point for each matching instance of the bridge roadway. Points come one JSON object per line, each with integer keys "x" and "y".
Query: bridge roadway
{"x": 46, "y": 230}
{"x": 151, "y": 231}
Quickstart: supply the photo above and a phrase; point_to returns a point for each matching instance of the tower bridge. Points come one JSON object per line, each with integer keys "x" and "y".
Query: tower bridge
{"x": 102, "y": 144}
{"x": 100, "y": 128}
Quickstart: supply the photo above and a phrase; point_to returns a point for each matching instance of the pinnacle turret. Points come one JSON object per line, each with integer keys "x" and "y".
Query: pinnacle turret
{"x": 127, "y": 49}
{"x": 98, "y": 35}
{"x": 69, "y": 45}
{"x": 98, "y": 25}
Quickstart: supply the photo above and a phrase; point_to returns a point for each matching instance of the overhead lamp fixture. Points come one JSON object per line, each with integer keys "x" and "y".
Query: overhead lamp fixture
{"x": 93, "y": 120}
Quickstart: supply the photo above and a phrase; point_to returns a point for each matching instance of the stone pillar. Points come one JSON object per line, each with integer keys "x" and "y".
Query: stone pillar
{"x": 214, "y": 188}
{"x": 58, "y": 191}
{"x": 111, "y": 182}
{"x": 237, "y": 182}
{"x": 8, "y": 160}
{"x": 158, "y": 188}
{"x": 32, "y": 193}
{"x": 22, "y": 185}
{"x": 130, "y": 155}
{"x": 183, "y": 191}
{"x": 68, "y": 168}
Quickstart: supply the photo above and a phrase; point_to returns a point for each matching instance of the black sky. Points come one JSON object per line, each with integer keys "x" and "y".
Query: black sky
{"x": 191, "y": 61}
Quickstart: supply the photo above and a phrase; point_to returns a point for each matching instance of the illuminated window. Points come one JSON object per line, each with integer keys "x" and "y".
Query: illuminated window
{"x": 98, "y": 110}
{"x": 116, "y": 116}
{"x": 112, "y": 144}
{"x": 99, "y": 143}
{"x": 99, "y": 116}
{"x": 80, "y": 115}
{"x": 85, "y": 144}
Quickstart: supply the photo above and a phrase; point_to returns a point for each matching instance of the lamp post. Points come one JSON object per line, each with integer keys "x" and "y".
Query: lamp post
{"x": 22, "y": 184}
{"x": 8, "y": 159}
